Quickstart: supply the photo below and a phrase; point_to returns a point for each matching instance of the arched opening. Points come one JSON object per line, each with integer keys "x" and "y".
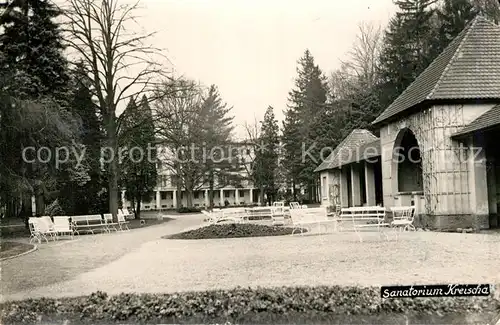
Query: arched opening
{"x": 409, "y": 163}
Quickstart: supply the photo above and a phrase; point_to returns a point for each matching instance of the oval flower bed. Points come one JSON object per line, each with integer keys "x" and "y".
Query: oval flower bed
{"x": 233, "y": 231}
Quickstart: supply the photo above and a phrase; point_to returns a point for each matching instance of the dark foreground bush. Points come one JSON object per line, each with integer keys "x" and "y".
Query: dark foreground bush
{"x": 233, "y": 231}
{"x": 271, "y": 306}
{"x": 188, "y": 210}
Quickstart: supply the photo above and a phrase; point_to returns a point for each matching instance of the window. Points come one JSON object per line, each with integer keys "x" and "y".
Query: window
{"x": 196, "y": 194}
{"x": 164, "y": 179}
{"x": 323, "y": 187}
{"x": 226, "y": 193}
{"x": 163, "y": 195}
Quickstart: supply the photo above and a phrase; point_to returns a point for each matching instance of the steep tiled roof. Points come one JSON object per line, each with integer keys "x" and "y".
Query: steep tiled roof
{"x": 469, "y": 68}
{"x": 349, "y": 150}
{"x": 489, "y": 119}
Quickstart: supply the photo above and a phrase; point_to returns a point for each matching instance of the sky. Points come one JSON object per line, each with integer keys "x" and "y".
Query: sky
{"x": 250, "y": 48}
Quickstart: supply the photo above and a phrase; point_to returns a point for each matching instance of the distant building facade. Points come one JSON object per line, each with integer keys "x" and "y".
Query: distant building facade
{"x": 242, "y": 192}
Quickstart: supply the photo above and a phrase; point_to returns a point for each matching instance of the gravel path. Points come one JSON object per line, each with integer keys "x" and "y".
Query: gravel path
{"x": 151, "y": 264}
{"x": 64, "y": 260}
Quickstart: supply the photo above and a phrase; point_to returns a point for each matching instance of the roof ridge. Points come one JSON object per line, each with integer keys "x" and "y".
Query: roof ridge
{"x": 343, "y": 145}
{"x": 466, "y": 33}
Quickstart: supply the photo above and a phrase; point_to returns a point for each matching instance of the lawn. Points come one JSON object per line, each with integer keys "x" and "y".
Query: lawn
{"x": 10, "y": 249}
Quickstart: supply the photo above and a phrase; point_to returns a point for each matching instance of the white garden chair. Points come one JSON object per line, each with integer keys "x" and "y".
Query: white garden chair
{"x": 63, "y": 226}
{"x": 214, "y": 216}
{"x": 125, "y": 213}
{"x": 208, "y": 216}
{"x": 35, "y": 233}
{"x": 39, "y": 229}
{"x": 403, "y": 217}
{"x": 122, "y": 223}
{"x": 47, "y": 227}
{"x": 278, "y": 216}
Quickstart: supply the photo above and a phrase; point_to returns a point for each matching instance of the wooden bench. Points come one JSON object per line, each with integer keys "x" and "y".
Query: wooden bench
{"x": 88, "y": 223}
{"x": 365, "y": 217}
{"x": 307, "y": 218}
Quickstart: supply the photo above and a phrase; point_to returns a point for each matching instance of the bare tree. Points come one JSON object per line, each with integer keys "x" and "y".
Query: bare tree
{"x": 253, "y": 132}
{"x": 489, "y": 9}
{"x": 178, "y": 128}
{"x": 359, "y": 71}
{"x": 117, "y": 59}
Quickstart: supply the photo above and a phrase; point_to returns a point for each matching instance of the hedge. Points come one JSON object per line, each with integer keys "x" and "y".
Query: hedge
{"x": 188, "y": 210}
{"x": 259, "y": 305}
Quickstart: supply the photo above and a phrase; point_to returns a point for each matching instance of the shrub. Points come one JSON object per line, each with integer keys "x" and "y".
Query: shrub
{"x": 188, "y": 210}
{"x": 232, "y": 231}
{"x": 240, "y": 305}
{"x": 54, "y": 209}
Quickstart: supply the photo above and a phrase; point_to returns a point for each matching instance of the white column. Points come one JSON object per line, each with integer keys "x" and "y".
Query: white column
{"x": 355, "y": 186}
{"x": 158, "y": 200}
{"x": 207, "y": 201}
{"x": 251, "y": 195}
{"x": 221, "y": 197}
{"x": 370, "y": 184}
{"x": 236, "y": 197}
{"x": 344, "y": 193}
{"x": 492, "y": 190}
{"x": 174, "y": 198}
{"x": 33, "y": 205}
{"x": 478, "y": 179}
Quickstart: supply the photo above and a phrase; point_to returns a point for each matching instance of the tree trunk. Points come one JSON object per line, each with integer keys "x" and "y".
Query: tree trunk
{"x": 113, "y": 167}
{"x": 138, "y": 210}
{"x": 178, "y": 186}
{"x": 179, "y": 196}
{"x": 261, "y": 194}
{"x": 12, "y": 207}
{"x": 211, "y": 193}
{"x": 39, "y": 191}
{"x": 189, "y": 198}
{"x": 27, "y": 206}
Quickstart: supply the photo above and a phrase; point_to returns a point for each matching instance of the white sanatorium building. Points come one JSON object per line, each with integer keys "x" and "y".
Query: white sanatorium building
{"x": 241, "y": 193}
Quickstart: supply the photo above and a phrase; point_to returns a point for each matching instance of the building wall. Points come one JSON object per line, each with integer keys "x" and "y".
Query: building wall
{"x": 327, "y": 191}
{"x": 452, "y": 179}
